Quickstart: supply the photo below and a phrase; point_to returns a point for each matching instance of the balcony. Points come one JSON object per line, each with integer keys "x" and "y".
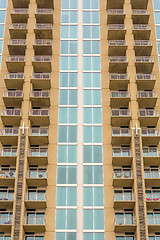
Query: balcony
{"x": 120, "y": 116}
{"x": 41, "y": 80}
{"x": 43, "y": 31}
{"x": 145, "y": 81}
{"x": 7, "y": 177}
{"x": 115, "y": 16}
{"x": 40, "y": 98}
{"x": 119, "y": 81}
{"x": 144, "y": 64}
{"x": 123, "y": 178}
{"x": 13, "y": 98}
{"x": 34, "y": 223}
{"x": 141, "y": 31}
{"x": 15, "y": 62}
{"x": 118, "y": 64}
{"x": 35, "y": 199}
{"x": 11, "y": 116}
{"x": 41, "y": 63}
{"x": 143, "y": 47}
{"x": 153, "y": 222}
{"x": 123, "y": 199}
{"x": 121, "y": 156}
{"x": 9, "y": 136}
{"x": 152, "y": 199}
{"x": 6, "y": 198}
{"x": 19, "y": 15}
{"x": 119, "y": 98}
{"x": 121, "y": 136}
{"x": 37, "y": 178}
{"x": 150, "y": 136}
{"x": 39, "y": 117}
{"x": 151, "y": 156}
{"x": 116, "y": 31}
{"x": 139, "y": 4}
{"x": 117, "y": 47}
{"x": 45, "y": 4}
{"x": 17, "y": 46}
{"x": 22, "y": 4}
{"x": 113, "y": 5}
{"x": 38, "y": 155}
{"x": 125, "y": 224}
{"x": 38, "y": 136}
{"x": 44, "y": 15}
{"x": 140, "y": 16}
{"x": 14, "y": 80}
{"x": 42, "y": 46}
{"x": 146, "y": 98}
{"x": 148, "y": 117}
{"x": 8, "y": 155}
{"x": 5, "y": 222}
{"x": 18, "y": 30}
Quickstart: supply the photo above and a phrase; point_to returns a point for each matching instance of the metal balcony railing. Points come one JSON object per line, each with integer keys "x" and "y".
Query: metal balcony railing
{"x": 11, "y": 112}
{"x": 15, "y": 59}
{"x": 41, "y": 58}
{"x": 40, "y": 76}
{"x": 8, "y": 152}
{"x": 20, "y": 11}
{"x": 120, "y": 59}
{"x": 14, "y": 75}
{"x": 153, "y": 220}
{"x": 146, "y": 94}
{"x": 140, "y": 12}
{"x": 116, "y": 27}
{"x": 17, "y": 42}
{"x": 37, "y": 174}
{"x": 16, "y": 93}
{"x": 122, "y": 174}
{"x": 42, "y": 26}
{"x": 151, "y": 152}
{"x": 18, "y": 26}
{"x": 141, "y": 27}
{"x": 37, "y": 220}
{"x": 119, "y": 76}
{"x": 121, "y": 132}
{"x": 150, "y": 132}
{"x": 7, "y": 174}
{"x": 120, "y": 94}
{"x": 40, "y": 94}
{"x": 142, "y": 43}
{"x": 117, "y": 43}
{"x": 121, "y": 152}
{"x": 148, "y": 113}
{"x": 39, "y": 112}
{"x": 44, "y": 11}
{"x": 120, "y": 113}
{"x": 153, "y": 196}
{"x": 38, "y": 152}
{"x": 152, "y": 173}
{"x": 147, "y": 76}
{"x": 9, "y": 132}
{"x": 42, "y": 42}
{"x": 5, "y": 220}
{"x": 35, "y": 196}
{"x": 128, "y": 196}
{"x": 143, "y": 59}
{"x": 125, "y": 220}
{"x": 6, "y": 196}
{"x": 38, "y": 132}
{"x": 115, "y": 12}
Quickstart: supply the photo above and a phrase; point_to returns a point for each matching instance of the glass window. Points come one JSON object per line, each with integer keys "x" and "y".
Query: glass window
{"x": 158, "y": 46}
{"x": 68, "y": 79}
{"x": 92, "y": 97}
{"x": 91, "y": 47}
{"x": 67, "y": 154}
{"x": 66, "y": 219}
{"x": 67, "y": 134}
{"x": 93, "y": 175}
{"x": 67, "y": 115}
{"x": 157, "y": 17}
{"x": 91, "y": 17}
{"x": 93, "y": 196}
{"x": 66, "y": 196}
{"x": 92, "y": 134}
{"x": 92, "y": 79}
{"x": 68, "y": 97}
{"x": 156, "y": 4}
{"x": 68, "y": 63}
{"x": 91, "y": 63}
{"x": 69, "y": 17}
{"x": 158, "y": 32}
{"x": 66, "y": 236}
{"x": 92, "y": 154}
{"x": 91, "y": 32}
{"x": 3, "y": 3}
{"x": 93, "y": 219}
{"x": 1, "y": 31}
{"x": 68, "y": 31}
{"x": 68, "y": 47}
{"x": 66, "y": 175}
{"x": 92, "y": 115}
{"x": 2, "y": 16}
{"x": 1, "y": 45}
{"x": 88, "y": 4}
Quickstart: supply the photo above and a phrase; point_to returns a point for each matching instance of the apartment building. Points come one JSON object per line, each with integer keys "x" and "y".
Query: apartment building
{"x": 79, "y": 123}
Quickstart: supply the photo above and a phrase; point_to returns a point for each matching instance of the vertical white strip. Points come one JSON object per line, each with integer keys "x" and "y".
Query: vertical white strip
{"x": 80, "y": 125}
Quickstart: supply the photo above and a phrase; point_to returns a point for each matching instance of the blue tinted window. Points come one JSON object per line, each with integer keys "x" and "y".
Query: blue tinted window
{"x": 66, "y": 219}
{"x": 66, "y": 196}
{"x": 68, "y": 79}
{"x": 90, "y": 17}
{"x": 87, "y": 4}
{"x": 91, "y": 32}
{"x": 68, "y": 63}
{"x": 68, "y": 97}
{"x": 67, "y": 115}
{"x": 1, "y": 45}
{"x": 158, "y": 32}
{"x": 157, "y": 17}
{"x": 69, "y": 17}
{"x": 2, "y": 16}
{"x": 156, "y": 4}
{"x": 1, "y": 31}
{"x": 68, "y": 47}
{"x": 91, "y": 79}
{"x": 67, "y": 134}
{"x": 67, "y": 154}
{"x": 66, "y": 236}
{"x": 3, "y": 3}
{"x": 92, "y": 154}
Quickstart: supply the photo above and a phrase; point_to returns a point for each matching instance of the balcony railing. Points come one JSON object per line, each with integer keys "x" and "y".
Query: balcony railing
{"x": 147, "y": 76}
{"x": 152, "y": 173}
{"x": 7, "y": 174}
{"x": 120, "y": 59}
{"x": 117, "y": 43}
{"x": 140, "y": 12}
{"x": 116, "y": 27}
{"x": 150, "y": 132}
{"x": 5, "y": 220}
{"x": 38, "y": 132}
{"x": 9, "y": 132}
{"x": 143, "y": 59}
{"x": 141, "y": 27}
{"x": 151, "y": 152}
{"x": 37, "y": 220}
{"x": 41, "y": 58}
{"x": 17, "y": 93}
{"x": 14, "y": 75}
{"x": 115, "y": 12}
{"x": 125, "y": 221}
{"x": 40, "y": 94}
{"x": 122, "y": 152}
{"x": 146, "y": 94}
{"x": 34, "y": 196}
{"x": 8, "y": 152}
{"x": 121, "y": 113}
{"x": 18, "y": 26}
{"x": 120, "y": 94}
{"x": 148, "y": 113}
{"x": 153, "y": 220}
{"x": 39, "y": 112}
{"x": 15, "y": 59}
{"x": 17, "y": 42}
{"x": 11, "y": 112}
{"x": 42, "y": 42}
{"x": 6, "y": 196}
{"x": 41, "y": 26}
{"x": 153, "y": 196}
{"x": 119, "y": 76}
{"x": 123, "y": 174}
{"x": 40, "y": 76}
{"x": 20, "y": 11}
{"x": 128, "y": 196}
{"x": 38, "y": 152}
{"x": 121, "y": 132}
{"x": 44, "y": 11}
{"x": 142, "y": 43}
{"x": 37, "y": 174}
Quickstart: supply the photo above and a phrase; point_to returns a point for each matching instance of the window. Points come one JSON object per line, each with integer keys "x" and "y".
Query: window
{"x": 68, "y": 79}
{"x": 68, "y": 63}
{"x": 69, "y": 32}
{"x": 34, "y": 237}
{"x": 66, "y": 219}
{"x": 92, "y": 80}
{"x": 66, "y": 236}
{"x": 66, "y": 196}
{"x": 36, "y": 195}
{"x": 66, "y": 175}
{"x": 91, "y": 47}
{"x": 92, "y": 134}
{"x": 156, "y": 4}
{"x": 91, "y": 63}
{"x": 67, "y": 134}
{"x": 93, "y": 174}
{"x": 2, "y": 16}
{"x": 91, "y": 17}
{"x": 92, "y": 115}
{"x": 92, "y": 154}
{"x": 68, "y": 47}
{"x": 69, "y": 17}
{"x": 91, "y": 97}
{"x": 93, "y": 196}
{"x": 91, "y": 236}
{"x": 67, "y": 115}
{"x": 96, "y": 222}
{"x": 35, "y": 217}
{"x": 68, "y": 97}
{"x": 67, "y": 154}
{"x": 90, "y": 4}
{"x": 70, "y": 4}
{"x": 91, "y": 32}
{"x": 3, "y": 3}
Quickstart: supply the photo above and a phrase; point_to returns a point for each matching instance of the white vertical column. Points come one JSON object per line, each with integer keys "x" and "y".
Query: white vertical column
{"x": 80, "y": 125}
